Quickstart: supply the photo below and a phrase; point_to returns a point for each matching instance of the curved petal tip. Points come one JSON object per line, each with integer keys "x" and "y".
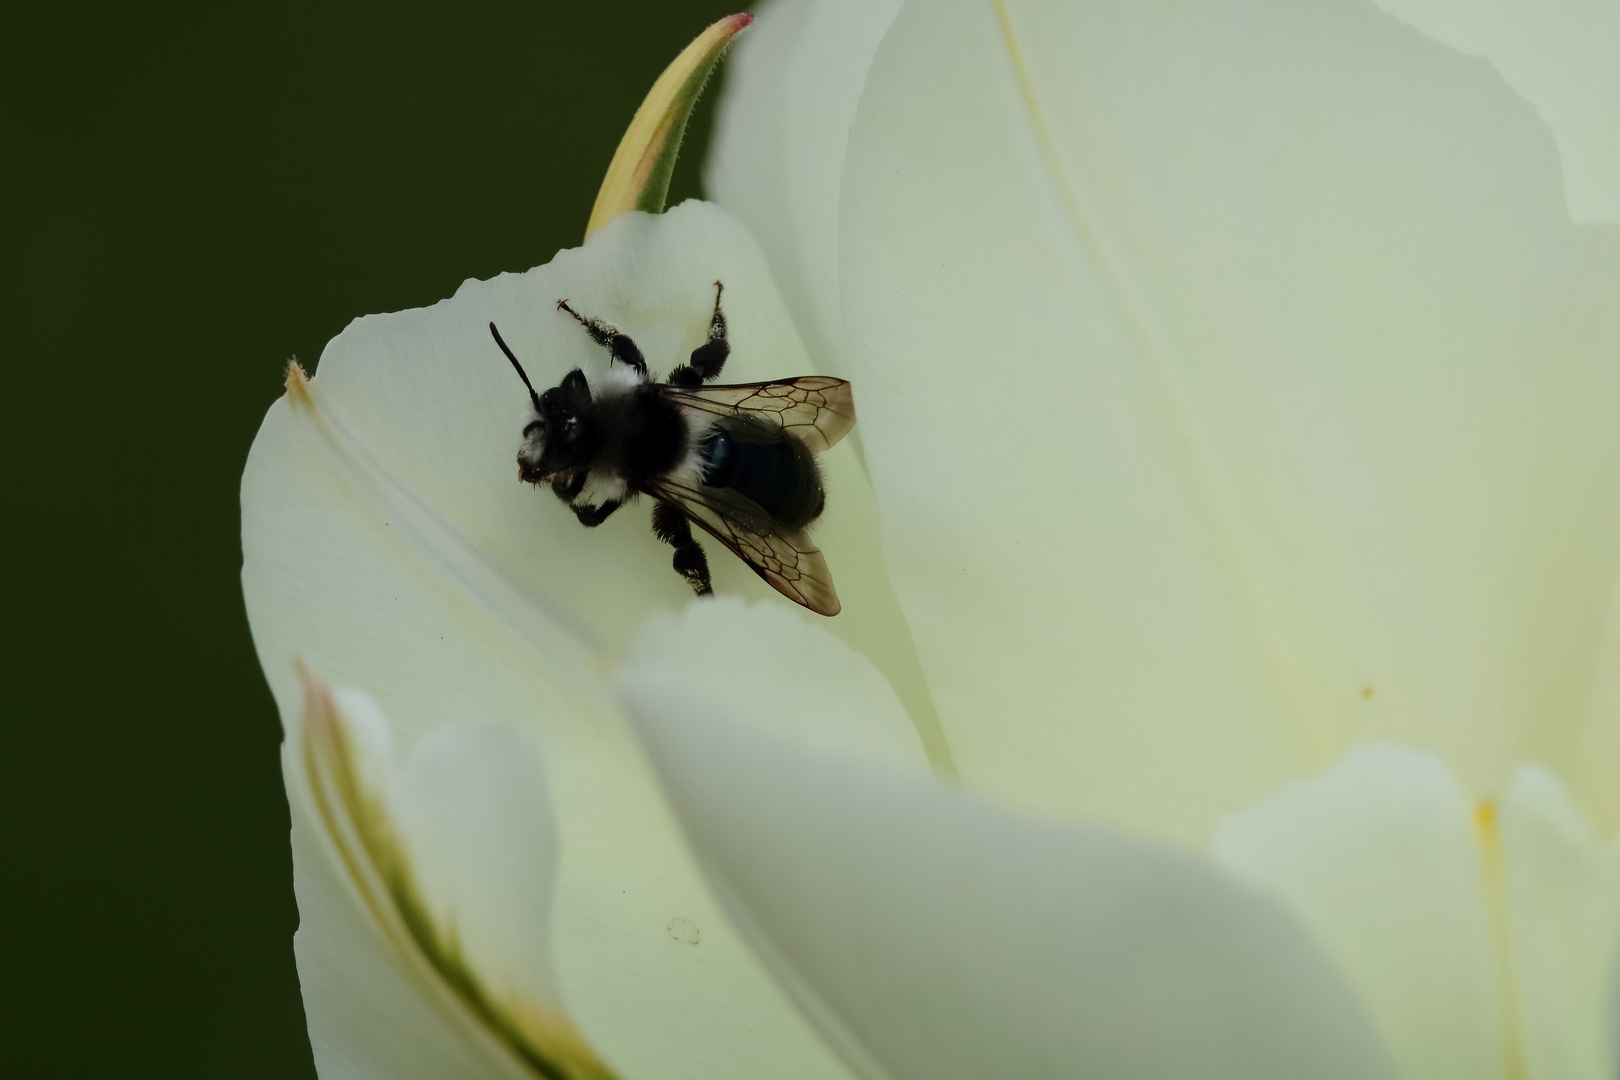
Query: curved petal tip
{"x": 638, "y": 177}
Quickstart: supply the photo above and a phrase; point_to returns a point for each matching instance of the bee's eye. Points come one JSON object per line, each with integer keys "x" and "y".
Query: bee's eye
{"x": 533, "y": 426}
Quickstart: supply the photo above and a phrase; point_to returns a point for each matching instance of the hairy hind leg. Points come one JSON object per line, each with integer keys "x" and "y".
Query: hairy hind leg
{"x": 690, "y": 562}
{"x": 709, "y": 357}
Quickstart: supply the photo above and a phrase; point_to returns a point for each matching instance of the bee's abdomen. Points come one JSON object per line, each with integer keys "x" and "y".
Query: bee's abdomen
{"x": 780, "y": 476}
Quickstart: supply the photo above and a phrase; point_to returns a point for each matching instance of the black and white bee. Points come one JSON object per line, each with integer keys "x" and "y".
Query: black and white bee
{"x": 738, "y": 461}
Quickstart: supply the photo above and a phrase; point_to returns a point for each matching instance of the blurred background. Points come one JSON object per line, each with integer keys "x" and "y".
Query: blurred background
{"x": 194, "y": 194}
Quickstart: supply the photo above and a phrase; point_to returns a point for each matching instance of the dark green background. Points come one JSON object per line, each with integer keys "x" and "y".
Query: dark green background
{"x": 192, "y": 194}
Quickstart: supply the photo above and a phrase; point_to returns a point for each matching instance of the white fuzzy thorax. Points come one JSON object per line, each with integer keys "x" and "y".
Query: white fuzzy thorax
{"x": 616, "y": 381}
{"x": 690, "y": 469}
{"x": 604, "y": 484}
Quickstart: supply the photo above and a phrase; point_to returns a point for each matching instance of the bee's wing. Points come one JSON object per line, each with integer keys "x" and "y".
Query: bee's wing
{"x": 818, "y": 409}
{"x": 786, "y": 558}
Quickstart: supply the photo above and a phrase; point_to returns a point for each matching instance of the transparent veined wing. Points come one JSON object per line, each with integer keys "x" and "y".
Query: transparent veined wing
{"x": 818, "y": 409}
{"x": 786, "y": 558}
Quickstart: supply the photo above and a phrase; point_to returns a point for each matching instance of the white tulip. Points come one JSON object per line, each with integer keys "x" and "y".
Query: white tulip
{"x": 1234, "y": 514}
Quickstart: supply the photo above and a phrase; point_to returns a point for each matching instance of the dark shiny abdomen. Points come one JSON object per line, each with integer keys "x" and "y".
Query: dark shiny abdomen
{"x": 779, "y": 474}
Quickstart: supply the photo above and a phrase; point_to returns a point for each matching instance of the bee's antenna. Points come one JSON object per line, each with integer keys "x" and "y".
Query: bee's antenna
{"x": 534, "y": 397}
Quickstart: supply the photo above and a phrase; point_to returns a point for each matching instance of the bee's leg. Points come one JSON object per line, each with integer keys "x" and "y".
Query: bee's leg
{"x": 617, "y": 343}
{"x": 690, "y": 562}
{"x": 592, "y": 516}
{"x": 709, "y": 357}
{"x": 567, "y": 488}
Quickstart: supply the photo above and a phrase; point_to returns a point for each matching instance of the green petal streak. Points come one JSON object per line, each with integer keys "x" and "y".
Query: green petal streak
{"x": 638, "y": 177}
{"x": 372, "y": 855}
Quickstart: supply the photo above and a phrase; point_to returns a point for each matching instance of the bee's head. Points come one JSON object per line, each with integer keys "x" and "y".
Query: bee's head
{"x": 562, "y": 436}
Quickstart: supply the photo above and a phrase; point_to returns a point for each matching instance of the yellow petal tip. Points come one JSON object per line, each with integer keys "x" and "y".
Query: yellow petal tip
{"x": 638, "y": 176}
{"x": 298, "y": 387}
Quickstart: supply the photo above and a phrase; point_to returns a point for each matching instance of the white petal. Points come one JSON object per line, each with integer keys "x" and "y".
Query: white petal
{"x": 767, "y": 665}
{"x": 476, "y": 818}
{"x": 1380, "y": 857}
{"x": 1482, "y": 937}
{"x": 391, "y": 987}
{"x": 1561, "y": 55}
{"x": 387, "y": 541}
{"x": 1562, "y": 886}
{"x": 1235, "y": 389}
{"x": 777, "y": 160}
{"x": 932, "y": 935}
{"x": 368, "y": 1011}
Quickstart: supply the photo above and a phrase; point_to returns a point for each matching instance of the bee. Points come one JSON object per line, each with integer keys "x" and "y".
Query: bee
{"x": 737, "y": 461}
